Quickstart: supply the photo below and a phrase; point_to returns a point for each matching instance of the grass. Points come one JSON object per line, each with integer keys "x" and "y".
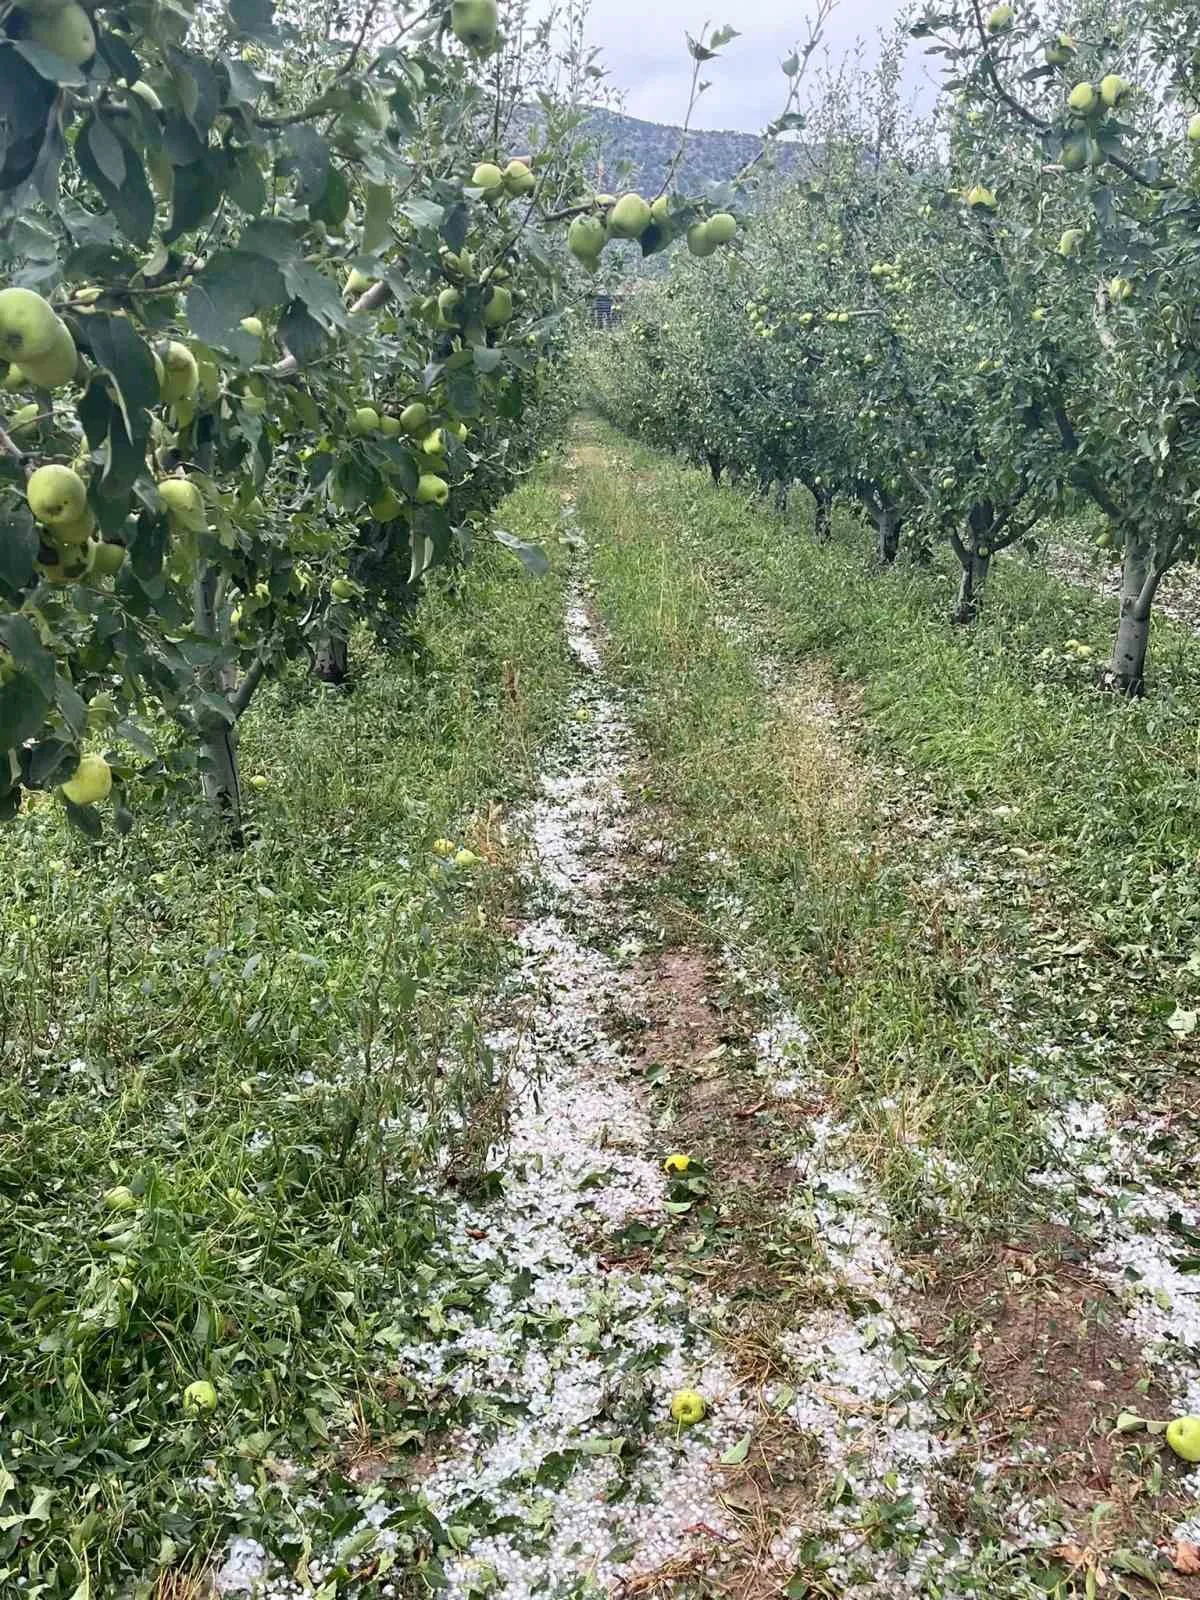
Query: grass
{"x": 270, "y": 1049}
{"x": 973, "y": 880}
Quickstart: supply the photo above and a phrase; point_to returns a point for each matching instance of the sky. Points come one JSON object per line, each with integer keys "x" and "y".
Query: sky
{"x": 646, "y": 55}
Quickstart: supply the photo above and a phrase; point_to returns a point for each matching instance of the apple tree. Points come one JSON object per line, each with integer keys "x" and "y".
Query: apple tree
{"x": 1089, "y": 134}
{"x": 279, "y": 322}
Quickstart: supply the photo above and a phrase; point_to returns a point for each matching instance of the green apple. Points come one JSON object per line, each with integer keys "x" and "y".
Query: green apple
{"x": 184, "y": 502}
{"x": 28, "y": 325}
{"x": 488, "y": 177}
{"x": 518, "y": 179}
{"x": 58, "y": 365}
{"x": 120, "y": 1198}
{"x": 721, "y": 227}
{"x": 357, "y": 282}
{"x": 252, "y": 326}
{"x": 1079, "y": 150}
{"x": 475, "y": 23}
{"x": 56, "y": 496}
{"x": 629, "y": 218}
{"x": 1119, "y": 290}
{"x": 24, "y": 417}
{"x": 387, "y": 506}
{"x": 68, "y": 33}
{"x": 499, "y": 308}
{"x": 688, "y": 1407}
{"x": 699, "y": 241}
{"x": 1183, "y": 1435}
{"x": 199, "y": 1398}
{"x": 78, "y": 531}
{"x": 434, "y": 443}
{"x": 89, "y": 783}
{"x": 107, "y": 559}
{"x": 448, "y": 302}
{"x": 1082, "y": 98}
{"x": 1114, "y": 90}
{"x": 389, "y": 426}
{"x": 414, "y": 417}
{"x": 364, "y": 420}
{"x": 1060, "y": 50}
{"x": 181, "y": 375}
{"x": 586, "y": 238}
{"x": 1000, "y": 19}
{"x": 1071, "y": 241}
{"x": 981, "y": 199}
{"x": 432, "y": 490}
{"x": 1193, "y": 130}
{"x": 342, "y": 589}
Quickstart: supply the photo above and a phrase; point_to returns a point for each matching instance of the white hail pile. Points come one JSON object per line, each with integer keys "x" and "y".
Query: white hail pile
{"x": 580, "y": 1161}
{"x": 568, "y": 1368}
{"x": 1143, "y": 1224}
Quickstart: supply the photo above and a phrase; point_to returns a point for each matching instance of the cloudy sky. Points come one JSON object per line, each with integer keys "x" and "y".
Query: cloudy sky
{"x": 646, "y": 54}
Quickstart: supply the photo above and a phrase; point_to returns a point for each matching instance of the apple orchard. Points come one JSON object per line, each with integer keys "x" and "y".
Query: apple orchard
{"x": 966, "y": 324}
{"x": 219, "y": 451}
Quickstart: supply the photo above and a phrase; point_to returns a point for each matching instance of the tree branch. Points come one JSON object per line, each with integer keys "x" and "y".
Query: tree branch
{"x": 10, "y": 448}
{"x": 370, "y": 300}
{"x": 239, "y": 701}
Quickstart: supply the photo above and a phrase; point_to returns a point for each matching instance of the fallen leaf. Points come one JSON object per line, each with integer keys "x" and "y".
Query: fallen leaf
{"x": 1184, "y": 1557}
{"x": 1076, "y": 1555}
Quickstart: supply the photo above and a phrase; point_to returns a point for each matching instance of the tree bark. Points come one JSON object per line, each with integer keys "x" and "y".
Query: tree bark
{"x": 220, "y": 777}
{"x": 332, "y": 664}
{"x": 1139, "y": 583}
{"x": 822, "y": 512}
{"x": 887, "y": 525}
{"x": 975, "y": 570}
{"x": 975, "y": 557}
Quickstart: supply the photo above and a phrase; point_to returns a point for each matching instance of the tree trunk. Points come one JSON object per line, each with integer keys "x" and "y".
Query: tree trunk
{"x": 970, "y": 585}
{"x": 220, "y": 778}
{"x": 714, "y": 465}
{"x": 975, "y": 557}
{"x": 781, "y": 497}
{"x": 822, "y": 513}
{"x": 332, "y": 664}
{"x": 1127, "y": 668}
{"x": 887, "y": 524}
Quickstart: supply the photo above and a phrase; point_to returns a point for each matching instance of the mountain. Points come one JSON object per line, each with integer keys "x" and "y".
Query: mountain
{"x": 633, "y": 154}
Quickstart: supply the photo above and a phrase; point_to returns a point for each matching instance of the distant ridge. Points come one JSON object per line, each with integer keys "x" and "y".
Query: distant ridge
{"x": 644, "y": 151}
{"x": 709, "y": 156}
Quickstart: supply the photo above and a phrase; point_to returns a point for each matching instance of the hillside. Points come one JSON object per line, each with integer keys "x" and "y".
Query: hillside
{"x": 643, "y": 152}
